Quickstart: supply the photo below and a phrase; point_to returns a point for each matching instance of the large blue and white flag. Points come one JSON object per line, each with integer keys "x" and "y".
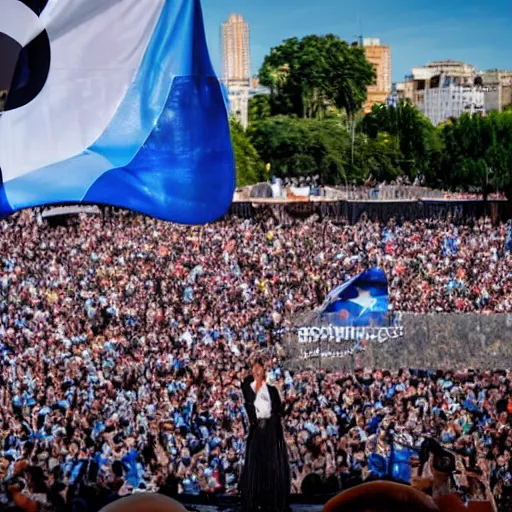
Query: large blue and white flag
{"x": 115, "y": 102}
{"x": 363, "y": 301}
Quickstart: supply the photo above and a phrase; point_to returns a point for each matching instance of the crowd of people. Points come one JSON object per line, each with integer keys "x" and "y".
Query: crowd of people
{"x": 124, "y": 342}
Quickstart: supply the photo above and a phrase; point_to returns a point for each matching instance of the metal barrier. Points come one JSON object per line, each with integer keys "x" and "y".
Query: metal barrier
{"x": 352, "y": 211}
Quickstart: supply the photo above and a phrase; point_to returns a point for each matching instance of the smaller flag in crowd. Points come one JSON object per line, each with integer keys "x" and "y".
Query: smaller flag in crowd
{"x": 362, "y": 301}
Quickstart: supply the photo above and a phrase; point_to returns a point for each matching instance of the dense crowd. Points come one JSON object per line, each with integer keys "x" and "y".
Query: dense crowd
{"x": 124, "y": 342}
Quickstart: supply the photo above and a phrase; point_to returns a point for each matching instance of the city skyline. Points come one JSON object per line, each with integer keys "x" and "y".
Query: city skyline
{"x": 416, "y": 34}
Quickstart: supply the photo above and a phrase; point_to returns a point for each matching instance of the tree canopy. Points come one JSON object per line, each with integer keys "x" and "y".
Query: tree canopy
{"x": 312, "y": 124}
{"x": 477, "y": 153}
{"x": 379, "y": 157}
{"x": 310, "y": 77}
{"x": 250, "y": 168}
{"x": 259, "y": 108}
{"x": 303, "y": 147}
{"x": 414, "y": 133}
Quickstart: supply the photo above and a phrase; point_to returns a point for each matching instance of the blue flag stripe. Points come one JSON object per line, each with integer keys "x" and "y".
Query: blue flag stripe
{"x": 361, "y": 301}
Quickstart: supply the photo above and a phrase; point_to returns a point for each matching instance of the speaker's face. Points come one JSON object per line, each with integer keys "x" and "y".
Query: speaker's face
{"x": 24, "y": 51}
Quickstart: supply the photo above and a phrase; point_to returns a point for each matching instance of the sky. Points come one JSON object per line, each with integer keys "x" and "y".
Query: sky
{"x": 478, "y": 32}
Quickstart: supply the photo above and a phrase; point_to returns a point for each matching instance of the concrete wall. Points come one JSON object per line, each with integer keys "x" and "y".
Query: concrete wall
{"x": 437, "y": 341}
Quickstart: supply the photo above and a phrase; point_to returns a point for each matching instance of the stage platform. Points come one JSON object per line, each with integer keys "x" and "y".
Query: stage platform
{"x": 295, "y": 508}
{"x": 232, "y": 503}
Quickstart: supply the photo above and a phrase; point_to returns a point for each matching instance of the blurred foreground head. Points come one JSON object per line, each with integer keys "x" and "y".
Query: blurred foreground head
{"x": 145, "y": 503}
{"x": 381, "y": 497}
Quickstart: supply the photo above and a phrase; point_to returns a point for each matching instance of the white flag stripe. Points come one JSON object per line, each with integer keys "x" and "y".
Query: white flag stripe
{"x": 92, "y": 67}
{"x": 19, "y": 22}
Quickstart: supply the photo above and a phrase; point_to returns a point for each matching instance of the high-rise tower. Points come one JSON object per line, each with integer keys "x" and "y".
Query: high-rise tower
{"x": 236, "y": 51}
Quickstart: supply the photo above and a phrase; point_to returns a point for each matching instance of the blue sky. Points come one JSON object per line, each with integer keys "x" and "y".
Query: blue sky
{"x": 478, "y": 32}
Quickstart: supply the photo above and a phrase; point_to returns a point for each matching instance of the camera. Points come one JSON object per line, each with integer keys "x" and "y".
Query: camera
{"x": 443, "y": 461}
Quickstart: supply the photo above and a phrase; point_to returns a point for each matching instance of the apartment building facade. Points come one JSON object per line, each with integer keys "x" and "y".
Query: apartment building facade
{"x": 236, "y": 51}
{"x": 450, "y": 99}
{"x": 236, "y": 65}
{"x": 379, "y": 55}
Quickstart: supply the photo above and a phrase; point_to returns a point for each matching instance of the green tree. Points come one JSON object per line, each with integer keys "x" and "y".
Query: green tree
{"x": 303, "y": 147}
{"x": 310, "y": 77}
{"x": 477, "y": 153}
{"x": 463, "y": 164}
{"x": 379, "y": 157}
{"x": 416, "y": 136}
{"x": 259, "y": 108}
{"x": 499, "y": 154}
{"x": 250, "y": 169}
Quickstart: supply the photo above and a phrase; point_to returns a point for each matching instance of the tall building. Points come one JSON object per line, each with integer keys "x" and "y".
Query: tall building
{"x": 448, "y": 98}
{"x": 498, "y": 89}
{"x": 236, "y": 65}
{"x": 238, "y": 96}
{"x": 423, "y": 78}
{"x": 404, "y": 90}
{"x": 236, "y": 51}
{"x": 380, "y": 56}
{"x": 448, "y": 88}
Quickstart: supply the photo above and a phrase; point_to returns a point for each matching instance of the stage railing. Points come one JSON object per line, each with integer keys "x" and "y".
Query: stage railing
{"x": 402, "y": 210}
